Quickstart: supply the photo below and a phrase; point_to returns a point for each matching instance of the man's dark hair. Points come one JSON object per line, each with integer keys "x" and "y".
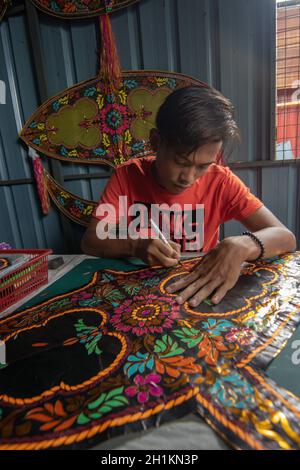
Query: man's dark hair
{"x": 196, "y": 115}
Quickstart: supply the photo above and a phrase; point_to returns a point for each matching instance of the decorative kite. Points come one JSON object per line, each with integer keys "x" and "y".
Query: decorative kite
{"x": 72, "y": 9}
{"x": 87, "y": 124}
{"x": 74, "y": 207}
{"x": 105, "y": 120}
{"x": 116, "y": 353}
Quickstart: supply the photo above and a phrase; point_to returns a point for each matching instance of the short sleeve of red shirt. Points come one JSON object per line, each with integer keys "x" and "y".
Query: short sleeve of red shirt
{"x": 238, "y": 201}
{"x": 111, "y": 193}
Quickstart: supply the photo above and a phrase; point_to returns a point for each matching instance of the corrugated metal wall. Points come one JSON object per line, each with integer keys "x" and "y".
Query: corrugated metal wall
{"x": 228, "y": 43}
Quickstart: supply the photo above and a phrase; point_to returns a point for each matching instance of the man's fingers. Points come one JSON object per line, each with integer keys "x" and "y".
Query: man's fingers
{"x": 182, "y": 282}
{"x": 220, "y": 293}
{"x": 200, "y": 267}
{"x": 176, "y": 246}
{"x": 204, "y": 292}
{"x": 162, "y": 258}
{"x": 167, "y": 250}
{"x": 191, "y": 290}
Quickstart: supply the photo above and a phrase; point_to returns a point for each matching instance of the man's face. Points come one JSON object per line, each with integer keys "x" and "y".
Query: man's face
{"x": 176, "y": 169}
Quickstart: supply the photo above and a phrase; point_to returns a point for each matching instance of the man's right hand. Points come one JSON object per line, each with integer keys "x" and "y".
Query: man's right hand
{"x": 155, "y": 251}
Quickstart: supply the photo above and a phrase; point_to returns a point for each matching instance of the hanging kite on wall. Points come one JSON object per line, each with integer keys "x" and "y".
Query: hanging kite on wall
{"x": 70, "y": 9}
{"x": 77, "y": 209}
{"x": 105, "y": 120}
{"x": 85, "y": 124}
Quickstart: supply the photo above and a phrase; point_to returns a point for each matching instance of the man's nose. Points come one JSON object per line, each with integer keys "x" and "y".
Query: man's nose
{"x": 188, "y": 176}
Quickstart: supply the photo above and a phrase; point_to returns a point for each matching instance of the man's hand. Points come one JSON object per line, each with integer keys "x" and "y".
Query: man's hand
{"x": 218, "y": 271}
{"x": 154, "y": 251}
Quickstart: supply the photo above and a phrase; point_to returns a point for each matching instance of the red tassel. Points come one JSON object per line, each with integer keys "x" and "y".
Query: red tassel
{"x": 110, "y": 72}
{"x": 40, "y": 181}
{"x": 110, "y": 69}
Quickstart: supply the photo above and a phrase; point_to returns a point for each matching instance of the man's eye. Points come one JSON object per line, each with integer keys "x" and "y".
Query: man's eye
{"x": 181, "y": 162}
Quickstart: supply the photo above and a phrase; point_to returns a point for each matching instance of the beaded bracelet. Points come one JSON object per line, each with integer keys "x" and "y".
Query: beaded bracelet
{"x": 258, "y": 242}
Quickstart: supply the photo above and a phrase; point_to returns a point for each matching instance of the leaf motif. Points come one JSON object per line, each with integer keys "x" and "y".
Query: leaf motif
{"x": 150, "y": 363}
{"x": 50, "y": 425}
{"x": 160, "y": 368}
{"x": 49, "y": 407}
{"x": 92, "y": 302}
{"x": 66, "y": 424}
{"x": 58, "y": 409}
{"x": 208, "y": 351}
{"x": 151, "y": 282}
{"x": 115, "y": 392}
{"x": 81, "y": 326}
{"x": 176, "y": 365}
{"x": 97, "y": 415}
{"x": 69, "y": 342}
{"x": 193, "y": 342}
{"x": 106, "y": 402}
{"x": 132, "y": 290}
{"x": 220, "y": 345}
{"x": 107, "y": 277}
{"x": 39, "y": 417}
{"x": 172, "y": 372}
{"x": 216, "y": 327}
{"x": 104, "y": 397}
{"x": 114, "y": 295}
{"x": 167, "y": 347}
{"x": 131, "y": 369}
{"x": 88, "y": 337}
{"x": 138, "y": 363}
{"x": 190, "y": 336}
{"x": 83, "y": 419}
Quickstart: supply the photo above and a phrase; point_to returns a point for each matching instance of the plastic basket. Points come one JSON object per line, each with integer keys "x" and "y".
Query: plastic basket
{"x": 25, "y": 279}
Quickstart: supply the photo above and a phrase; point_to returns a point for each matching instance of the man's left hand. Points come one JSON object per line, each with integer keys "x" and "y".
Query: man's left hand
{"x": 217, "y": 272}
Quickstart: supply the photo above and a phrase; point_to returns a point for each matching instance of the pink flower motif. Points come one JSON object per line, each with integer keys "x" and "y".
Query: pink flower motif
{"x": 144, "y": 387}
{"x": 147, "y": 274}
{"x": 113, "y": 119}
{"x": 145, "y": 314}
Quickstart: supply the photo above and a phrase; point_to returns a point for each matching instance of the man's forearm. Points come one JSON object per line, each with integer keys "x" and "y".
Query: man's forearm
{"x": 276, "y": 240}
{"x": 109, "y": 248}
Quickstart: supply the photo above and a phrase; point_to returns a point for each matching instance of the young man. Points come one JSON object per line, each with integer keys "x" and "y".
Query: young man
{"x": 194, "y": 126}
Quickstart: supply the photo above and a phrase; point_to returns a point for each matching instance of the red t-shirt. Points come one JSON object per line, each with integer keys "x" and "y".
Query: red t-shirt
{"x": 223, "y": 195}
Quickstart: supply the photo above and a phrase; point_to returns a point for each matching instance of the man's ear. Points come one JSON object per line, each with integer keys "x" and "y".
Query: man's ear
{"x": 155, "y": 139}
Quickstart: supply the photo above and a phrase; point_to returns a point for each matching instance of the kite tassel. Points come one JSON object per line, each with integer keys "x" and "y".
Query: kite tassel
{"x": 40, "y": 180}
{"x": 110, "y": 69}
